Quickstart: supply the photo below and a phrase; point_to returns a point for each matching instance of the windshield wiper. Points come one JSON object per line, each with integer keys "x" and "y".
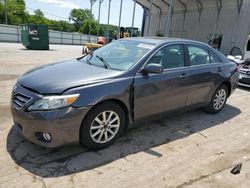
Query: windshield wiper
{"x": 89, "y": 58}
{"x": 106, "y": 65}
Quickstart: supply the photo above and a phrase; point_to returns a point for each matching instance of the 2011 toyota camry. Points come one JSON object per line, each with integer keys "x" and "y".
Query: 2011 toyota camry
{"x": 93, "y": 99}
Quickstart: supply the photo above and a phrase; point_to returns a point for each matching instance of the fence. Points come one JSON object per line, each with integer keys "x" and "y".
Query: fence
{"x": 9, "y": 33}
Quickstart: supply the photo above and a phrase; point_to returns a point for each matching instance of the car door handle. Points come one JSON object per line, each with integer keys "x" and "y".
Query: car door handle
{"x": 219, "y": 69}
{"x": 184, "y": 75}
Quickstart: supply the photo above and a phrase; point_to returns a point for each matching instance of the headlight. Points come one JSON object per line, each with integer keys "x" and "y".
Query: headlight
{"x": 53, "y": 102}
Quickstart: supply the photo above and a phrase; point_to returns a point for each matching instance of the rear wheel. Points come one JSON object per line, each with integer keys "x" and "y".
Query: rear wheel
{"x": 102, "y": 126}
{"x": 218, "y": 100}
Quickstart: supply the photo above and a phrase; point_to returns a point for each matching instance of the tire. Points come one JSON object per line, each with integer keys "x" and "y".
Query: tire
{"x": 218, "y": 100}
{"x": 95, "y": 132}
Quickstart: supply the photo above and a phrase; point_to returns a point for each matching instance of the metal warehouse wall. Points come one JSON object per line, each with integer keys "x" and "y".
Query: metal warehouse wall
{"x": 234, "y": 29}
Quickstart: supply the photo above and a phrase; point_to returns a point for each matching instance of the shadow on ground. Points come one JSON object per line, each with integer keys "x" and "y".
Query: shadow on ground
{"x": 25, "y": 49}
{"x": 71, "y": 159}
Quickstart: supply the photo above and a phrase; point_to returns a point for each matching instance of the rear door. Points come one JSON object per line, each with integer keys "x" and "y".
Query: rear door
{"x": 206, "y": 71}
{"x": 157, "y": 93}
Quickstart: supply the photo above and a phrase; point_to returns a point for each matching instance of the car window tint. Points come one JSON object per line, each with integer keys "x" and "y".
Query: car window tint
{"x": 171, "y": 56}
{"x": 157, "y": 58}
{"x": 214, "y": 58}
{"x": 198, "y": 55}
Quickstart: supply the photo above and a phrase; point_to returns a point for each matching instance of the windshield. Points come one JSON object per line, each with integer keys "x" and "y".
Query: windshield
{"x": 118, "y": 55}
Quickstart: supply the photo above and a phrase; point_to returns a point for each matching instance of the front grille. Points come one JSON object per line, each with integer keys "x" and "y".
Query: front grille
{"x": 244, "y": 71}
{"x": 245, "y": 80}
{"x": 19, "y": 100}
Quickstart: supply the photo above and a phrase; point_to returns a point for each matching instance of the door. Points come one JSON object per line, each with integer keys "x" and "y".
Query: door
{"x": 166, "y": 91}
{"x": 206, "y": 71}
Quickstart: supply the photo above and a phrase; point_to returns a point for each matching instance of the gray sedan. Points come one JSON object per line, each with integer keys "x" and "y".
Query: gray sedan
{"x": 92, "y": 100}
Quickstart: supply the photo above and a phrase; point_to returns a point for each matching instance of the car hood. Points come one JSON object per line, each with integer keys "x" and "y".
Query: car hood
{"x": 58, "y": 77}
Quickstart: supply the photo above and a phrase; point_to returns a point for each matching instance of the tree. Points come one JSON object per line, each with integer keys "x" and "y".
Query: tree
{"x": 94, "y": 27}
{"x": 110, "y": 30}
{"x": 61, "y": 26}
{"x": 2, "y": 12}
{"x": 81, "y": 18}
{"x": 13, "y": 11}
{"x": 39, "y": 14}
{"x": 38, "y": 18}
{"x": 78, "y": 16}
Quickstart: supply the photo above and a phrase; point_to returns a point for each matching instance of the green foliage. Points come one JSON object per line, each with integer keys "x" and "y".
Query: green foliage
{"x": 14, "y": 10}
{"x": 61, "y": 26}
{"x": 94, "y": 27}
{"x": 78, "y": 16}
{"x": 109, "y": 27}
{"x": 38, "y": 18}
{"x": 110, "y": 30}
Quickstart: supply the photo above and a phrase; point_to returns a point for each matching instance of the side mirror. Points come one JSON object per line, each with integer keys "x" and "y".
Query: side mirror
{"x": 152, "y": 68}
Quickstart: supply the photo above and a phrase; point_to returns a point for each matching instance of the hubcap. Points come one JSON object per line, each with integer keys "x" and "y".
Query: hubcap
{"x": 219, "y": 99}
{"x": 105, "y": 126}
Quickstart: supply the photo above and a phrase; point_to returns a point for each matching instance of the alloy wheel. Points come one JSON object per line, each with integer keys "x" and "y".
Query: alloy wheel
{"x": 219, "y": 99}
{"x": 105, "y": 126}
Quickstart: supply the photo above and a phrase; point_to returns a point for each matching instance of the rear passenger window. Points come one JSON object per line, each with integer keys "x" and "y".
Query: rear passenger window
{"x": 198, "y": 55}
{"x": 214, "y": 58}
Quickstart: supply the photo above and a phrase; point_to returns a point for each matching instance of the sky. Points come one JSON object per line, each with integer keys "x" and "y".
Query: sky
{"x": 60, "y": 9}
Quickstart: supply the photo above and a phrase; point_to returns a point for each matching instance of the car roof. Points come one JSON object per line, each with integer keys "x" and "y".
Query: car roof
{"x": 158, "y": 40}
{"x": 161, "y": 40}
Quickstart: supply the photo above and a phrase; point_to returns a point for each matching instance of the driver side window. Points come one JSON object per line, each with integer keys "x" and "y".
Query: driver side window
{"x": 171, "y": 56}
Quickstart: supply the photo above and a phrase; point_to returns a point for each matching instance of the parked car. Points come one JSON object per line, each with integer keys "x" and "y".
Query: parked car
{"x": 244, "y": 77}
{"x": 237, "y": 55}
{"x": 247, "y": 49}
{"x": 243, "y": 62}
{"x": 95, "y": 98}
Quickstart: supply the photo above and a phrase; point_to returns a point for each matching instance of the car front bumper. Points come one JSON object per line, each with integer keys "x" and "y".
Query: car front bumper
{"x": 62, "y": 124}
{"x": 244, "y": 78}
{"x": 244, "y": 85}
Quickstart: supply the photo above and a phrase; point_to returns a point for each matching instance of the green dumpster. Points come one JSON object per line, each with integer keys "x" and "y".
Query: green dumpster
{"x": 35, "y": 37}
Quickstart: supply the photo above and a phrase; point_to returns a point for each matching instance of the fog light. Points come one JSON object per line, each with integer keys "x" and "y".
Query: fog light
{"x": 47, "y": 137}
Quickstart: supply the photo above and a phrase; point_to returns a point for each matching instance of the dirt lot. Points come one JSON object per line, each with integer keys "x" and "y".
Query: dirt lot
{"x": 193, "y": 149}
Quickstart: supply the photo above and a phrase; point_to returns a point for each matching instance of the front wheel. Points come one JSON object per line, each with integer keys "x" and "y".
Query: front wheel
{"x": 102, "y": 126}
{"x": 218, "y": 100}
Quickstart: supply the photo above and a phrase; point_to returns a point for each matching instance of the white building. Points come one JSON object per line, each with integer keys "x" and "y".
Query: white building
{"x": 203, "y": 20}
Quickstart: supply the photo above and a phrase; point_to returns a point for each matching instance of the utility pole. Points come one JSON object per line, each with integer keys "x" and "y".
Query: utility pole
{"x": 5, "y": 12}
{"x": 168, "y": 18}
{"x": 133, "y": 19}
{"x": 99, "y": 15}
{"x": 150, "y": 16}
{"x": 120, "y": 17}
{"x": 92, "y": 2}
{"x": 108, "y": 18}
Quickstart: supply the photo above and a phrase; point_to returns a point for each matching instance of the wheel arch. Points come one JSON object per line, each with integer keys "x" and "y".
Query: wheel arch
{"x": 229, "y": 86}
{"x": 116, "y": 101}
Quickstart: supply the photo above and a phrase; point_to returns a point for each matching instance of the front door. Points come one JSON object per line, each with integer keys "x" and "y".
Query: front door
{"x": 166, "y": 91}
